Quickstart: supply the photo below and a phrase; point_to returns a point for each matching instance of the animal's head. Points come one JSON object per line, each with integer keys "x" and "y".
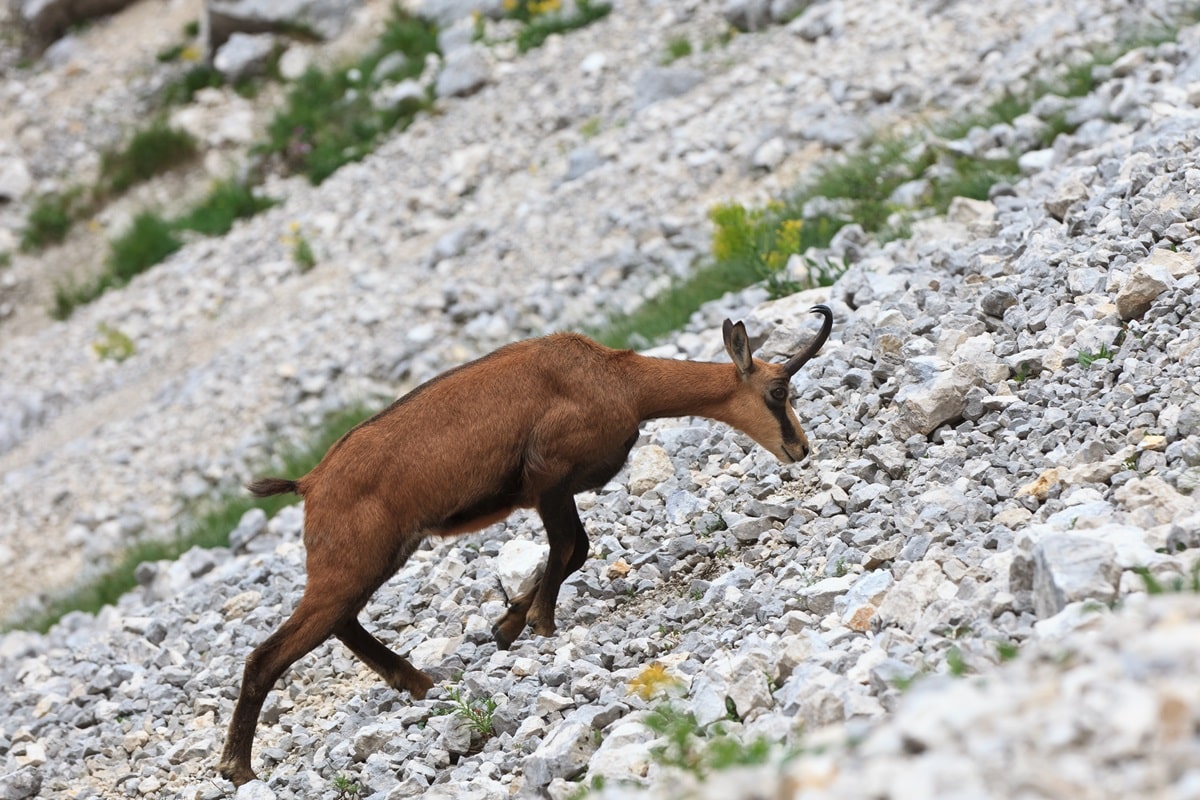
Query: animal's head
{"x": 764, "y": 403}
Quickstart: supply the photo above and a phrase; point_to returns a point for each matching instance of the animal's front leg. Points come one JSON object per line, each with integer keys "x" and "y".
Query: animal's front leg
{"x": 568, "y": 551}
{"x": 509, "y": 627}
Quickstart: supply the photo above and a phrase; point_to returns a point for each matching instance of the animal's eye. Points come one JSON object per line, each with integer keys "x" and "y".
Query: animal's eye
{"x": 779, "y": 393}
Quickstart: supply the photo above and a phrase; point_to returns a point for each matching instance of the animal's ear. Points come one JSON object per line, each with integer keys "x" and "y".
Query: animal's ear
{"x": 737, "y": 343}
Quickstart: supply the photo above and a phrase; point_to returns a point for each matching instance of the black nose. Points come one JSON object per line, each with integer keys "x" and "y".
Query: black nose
{"x": 797, "y": 450}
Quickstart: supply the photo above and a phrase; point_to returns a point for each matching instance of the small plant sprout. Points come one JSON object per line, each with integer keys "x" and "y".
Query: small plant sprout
{"x": 345, "y": 787}
{"x": 955, "y": 662}
{"x": 690, "y": 747}
{"x": 1178, "y": 583}
{"x": 113, "y": 345}
{"x": 1087, "y": 357}
{"x": 654, "y": 681}
{"x": 677, "y": 47}
{"x": 477, "y": 713}
{"x": 302, "y": 252}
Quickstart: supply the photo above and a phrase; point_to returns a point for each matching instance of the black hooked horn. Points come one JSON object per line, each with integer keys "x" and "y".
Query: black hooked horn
{"x": 797, "y": 361}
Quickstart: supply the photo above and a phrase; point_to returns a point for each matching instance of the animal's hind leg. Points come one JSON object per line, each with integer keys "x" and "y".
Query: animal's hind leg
{"x": 394, "y": 669}
{"x": 315, "y": 618}
{"x": 332, "y": 599}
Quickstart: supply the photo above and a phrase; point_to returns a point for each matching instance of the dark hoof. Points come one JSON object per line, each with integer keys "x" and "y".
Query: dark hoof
{"x": 238, "y": 773}
{"x": 503, "y": 640}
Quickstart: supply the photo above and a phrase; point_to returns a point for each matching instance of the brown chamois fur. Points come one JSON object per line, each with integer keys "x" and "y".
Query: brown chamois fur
{"x": 527, "y": 426}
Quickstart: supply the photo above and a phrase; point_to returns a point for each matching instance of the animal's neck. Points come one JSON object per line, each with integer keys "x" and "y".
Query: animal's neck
{"x": 666, "y": 388}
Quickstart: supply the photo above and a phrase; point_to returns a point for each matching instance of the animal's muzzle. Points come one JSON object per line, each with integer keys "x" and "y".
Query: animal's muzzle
{"x": 795, "y": 451}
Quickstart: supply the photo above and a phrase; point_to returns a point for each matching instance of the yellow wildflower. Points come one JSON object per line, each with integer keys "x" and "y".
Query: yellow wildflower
{"x": 653, "y": 680}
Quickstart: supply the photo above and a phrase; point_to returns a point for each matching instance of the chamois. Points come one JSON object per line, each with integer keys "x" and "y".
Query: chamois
{"x": 528, "y": 426}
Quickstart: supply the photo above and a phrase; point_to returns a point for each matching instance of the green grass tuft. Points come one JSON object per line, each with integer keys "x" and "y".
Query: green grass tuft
{"x": 148, "y": 241}
{"x": 677, "y": 47}
{"x": 181, "y": 91}
{"x": 692, "y": 748}
{"x": 228, "y": 200}
{"x": 50, "y": 219}
{"x": 150, "y": 152}
{"x": 151, "y": 238}
{"x": 541, "y": 26}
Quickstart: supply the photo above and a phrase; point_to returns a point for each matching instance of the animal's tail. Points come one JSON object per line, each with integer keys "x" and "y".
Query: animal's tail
{"x": 265, "y": 487}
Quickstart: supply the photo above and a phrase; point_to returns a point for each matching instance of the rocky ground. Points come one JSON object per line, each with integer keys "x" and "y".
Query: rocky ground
{"x": 983, "y": 488}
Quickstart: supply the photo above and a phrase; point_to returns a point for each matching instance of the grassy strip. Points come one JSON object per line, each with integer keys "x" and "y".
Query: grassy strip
{"x": 151, "y": 151}
{"x": 207, "y": 527}
{"x": 749, "y": 246}
{"x": 541, "y": 19}
{"x": 329, "y": 120}
{"x": 151, "y": 238}
{"x": 756, "y": 245}
{"x": 541, "y": 25}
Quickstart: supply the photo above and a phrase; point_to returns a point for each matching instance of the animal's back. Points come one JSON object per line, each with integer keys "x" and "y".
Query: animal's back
{"x": 475, "y": 433}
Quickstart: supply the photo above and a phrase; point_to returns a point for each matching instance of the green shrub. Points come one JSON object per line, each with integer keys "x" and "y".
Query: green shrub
{"x": 328, "y": 119}
{"x": 760, "y": 242}
{"x": 346, "y": 788}
{"x": 677, "y": 47}
{"x": 868, "y": 179}
{"x": 477, "y": 713}
{"x": 228, "y": 200}
{"x": 543, "y": 19}
{"x": 148, "y": 241}
{"x": 181, "y": 90}
{"x": 51, "y": 218}
{"x": 692, "y": 748}
{"x": 149, "y": 152}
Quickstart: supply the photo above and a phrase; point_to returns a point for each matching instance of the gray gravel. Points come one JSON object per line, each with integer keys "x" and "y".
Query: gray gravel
{"x": 981, "y": 487}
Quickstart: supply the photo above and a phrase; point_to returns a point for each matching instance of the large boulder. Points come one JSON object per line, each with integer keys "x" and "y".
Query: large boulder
{"x": 45, "y": 20}
{"x": 15, "y": 179}
{"x": 324, "y": 18}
